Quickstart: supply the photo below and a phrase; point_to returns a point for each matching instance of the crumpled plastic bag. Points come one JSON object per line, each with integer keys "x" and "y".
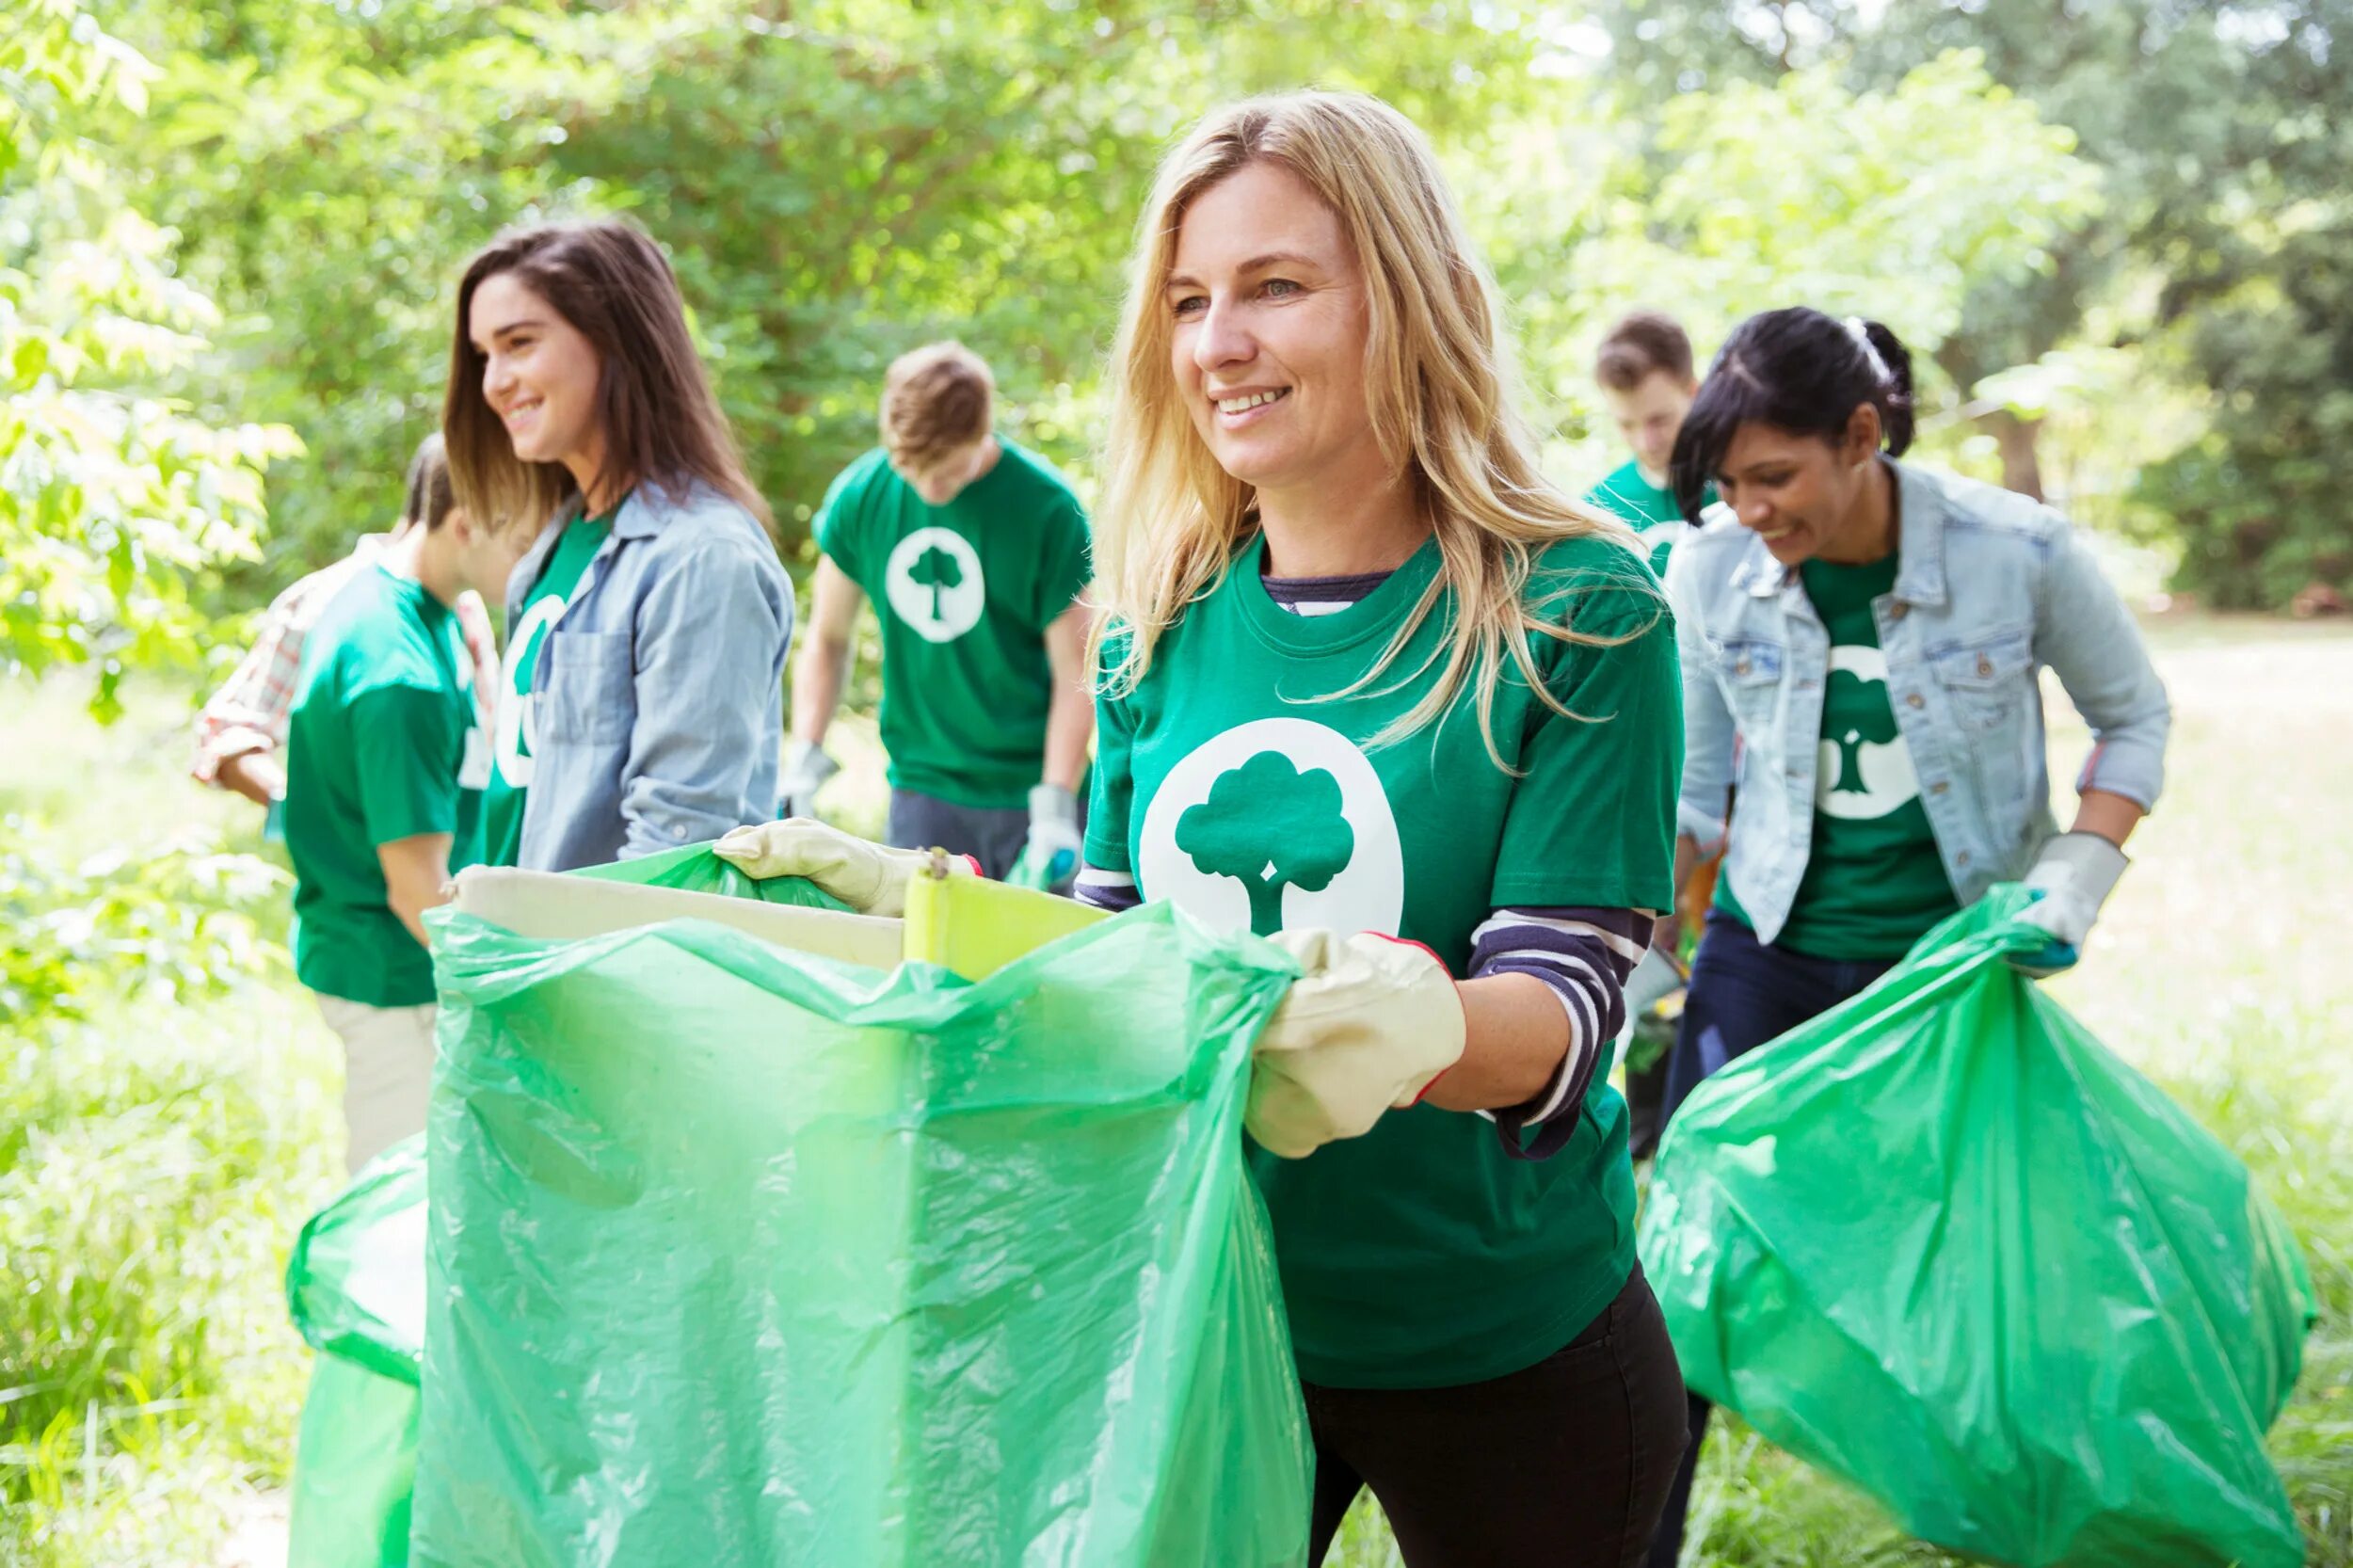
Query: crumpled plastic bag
{"x": 356, "y": 1288}
{"x": 1941, "y": 1243}
{"x": 746, "y": 1257}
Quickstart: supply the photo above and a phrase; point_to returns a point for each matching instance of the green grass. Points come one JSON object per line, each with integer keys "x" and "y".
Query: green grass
{"x": 156, "y": 1160}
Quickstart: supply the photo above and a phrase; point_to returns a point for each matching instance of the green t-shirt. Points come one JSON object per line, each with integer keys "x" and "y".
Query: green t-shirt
{"x": 1874, "y": 881}
{"x": 1421, "y": 1255}
{"x": 965, "y": 593}
{"x": 1657, "y": 522}
{"x": 510, "y": 771}
{"x": 381, "y": 744}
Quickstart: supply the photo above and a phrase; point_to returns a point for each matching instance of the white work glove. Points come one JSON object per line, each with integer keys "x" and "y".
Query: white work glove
{"x": 1051, "y": 857}
{"x": 1369, "y": 1026}
{"x": 806, "y": 770}
{"x": 2071, "y": 879}
{"x": 870, "y": 879}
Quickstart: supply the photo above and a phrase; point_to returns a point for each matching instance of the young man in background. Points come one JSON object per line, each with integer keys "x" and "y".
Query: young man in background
{"x": 1644, "y": 369}
{"x": 974, "y": 551}
{"x": 385, "y": 760}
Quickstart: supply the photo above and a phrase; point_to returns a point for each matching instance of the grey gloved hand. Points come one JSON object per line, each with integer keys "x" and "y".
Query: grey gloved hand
{"x": 806, "y": 770}
{"x": 1049, "y": 858}
{"x": 2072, "y": 878}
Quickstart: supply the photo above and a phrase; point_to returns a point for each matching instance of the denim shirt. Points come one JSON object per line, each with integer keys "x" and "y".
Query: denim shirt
{"x": 660, "y": 690}
{"x": 1989, "y": 586}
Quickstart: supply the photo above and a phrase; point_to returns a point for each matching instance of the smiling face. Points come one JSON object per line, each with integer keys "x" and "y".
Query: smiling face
{"x": 1266, "y": 302}
{"x": 1800, "y": 493}
{"x": 539, "y": 374}
{"x": 1648, "y": 416}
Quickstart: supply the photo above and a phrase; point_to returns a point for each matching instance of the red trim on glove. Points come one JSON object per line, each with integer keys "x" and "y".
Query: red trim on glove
{"x": 1409, "y": 942}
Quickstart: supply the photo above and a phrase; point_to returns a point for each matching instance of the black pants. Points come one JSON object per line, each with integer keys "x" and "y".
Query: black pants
{"x": 1742, "y": 994}
{"x": 1563, "y": 1464}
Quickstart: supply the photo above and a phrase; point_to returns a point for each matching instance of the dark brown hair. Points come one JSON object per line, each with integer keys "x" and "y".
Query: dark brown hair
{"x": 431, "y": 499}
{"x": 1643, "y": 343}
{"x": 662, "y": 424}
{"x": 1796, "y": 370}
{"x": 935, "y": 399}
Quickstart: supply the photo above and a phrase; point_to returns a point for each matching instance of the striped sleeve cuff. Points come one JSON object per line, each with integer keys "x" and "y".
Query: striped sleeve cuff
{"x": 1102, "y": 890}
{"x": 1584, "y": 956}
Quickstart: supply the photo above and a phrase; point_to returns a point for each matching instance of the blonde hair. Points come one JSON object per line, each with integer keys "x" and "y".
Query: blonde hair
{"x": 1436, "y": 367}
{"x": 935, "y": 399}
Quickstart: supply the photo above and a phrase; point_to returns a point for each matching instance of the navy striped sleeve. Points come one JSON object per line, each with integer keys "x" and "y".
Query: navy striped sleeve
{"x": 1102, "y": 890}
{"x": 1584, "y": 956}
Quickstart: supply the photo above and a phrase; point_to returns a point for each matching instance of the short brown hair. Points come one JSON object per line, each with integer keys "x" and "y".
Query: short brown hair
{"x": 1642, "y": 344}
{"x": 662, "y": 424}
{"x": 935, "y": 399}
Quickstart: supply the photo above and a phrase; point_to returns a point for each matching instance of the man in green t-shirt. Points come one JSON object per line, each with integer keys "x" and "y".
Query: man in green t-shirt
{"x": 974, "y": 552}
{"x": 1644, "y": 369}
{"x": 385, "y": 765}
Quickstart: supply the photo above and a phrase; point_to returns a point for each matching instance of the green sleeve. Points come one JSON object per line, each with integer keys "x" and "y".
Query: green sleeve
{"x": 1591, "y": 819}
{"x": 407, "y": 743}
{"x": 1113, "y": 794}
{"x": 835, "y": 527}
{"x": 1067, "y": 569}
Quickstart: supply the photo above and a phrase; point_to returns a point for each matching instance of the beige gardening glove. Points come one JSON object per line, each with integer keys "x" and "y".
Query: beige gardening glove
{"x": 870, "y": 879}
{"x": 1368, "y": 1025}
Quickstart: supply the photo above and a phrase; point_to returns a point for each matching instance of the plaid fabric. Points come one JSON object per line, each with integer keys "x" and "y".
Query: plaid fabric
{"x": 248, "y": 712}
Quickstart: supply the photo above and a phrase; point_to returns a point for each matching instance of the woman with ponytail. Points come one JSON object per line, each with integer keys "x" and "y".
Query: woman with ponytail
{"x": 1861, "y": 641}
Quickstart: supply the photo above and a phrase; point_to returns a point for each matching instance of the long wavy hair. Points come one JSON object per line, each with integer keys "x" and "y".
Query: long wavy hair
{"x": 1437, "y": 374}
{"x": 663, "y": 425}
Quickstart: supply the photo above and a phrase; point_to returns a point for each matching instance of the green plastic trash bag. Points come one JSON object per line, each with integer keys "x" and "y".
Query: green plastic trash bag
{"x": 355, "y": 1469}
{"x": 693, "y": 869}
{"x": 740, "y": 1256}
{"x": 1941, "y": 1243}
{"x": 356, "y": 1288}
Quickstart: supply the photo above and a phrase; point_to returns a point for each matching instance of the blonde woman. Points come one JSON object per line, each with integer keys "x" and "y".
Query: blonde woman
{"x": 1374, "y": 688}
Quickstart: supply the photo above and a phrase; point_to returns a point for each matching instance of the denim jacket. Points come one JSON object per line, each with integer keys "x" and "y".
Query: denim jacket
{"x": 659, "y": 690}
{"x": 1989, "y": 586}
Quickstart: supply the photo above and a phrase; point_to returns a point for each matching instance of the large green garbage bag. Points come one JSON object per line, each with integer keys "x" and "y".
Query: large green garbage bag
{"x": 744, "y": 1257}
{"x": 1941, "y": 1243}
{"x": 356, "y": 1287}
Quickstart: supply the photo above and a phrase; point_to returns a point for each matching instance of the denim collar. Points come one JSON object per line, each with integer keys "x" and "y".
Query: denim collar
{"x": 1920, "y": 547}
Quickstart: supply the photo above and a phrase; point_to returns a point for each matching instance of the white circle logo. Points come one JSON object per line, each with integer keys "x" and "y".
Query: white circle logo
{"x": 1273, "y": 825}
{"x": 513, "y": 731}
{"x": 1864, "y": 771}
{"x": 933, "y": 582}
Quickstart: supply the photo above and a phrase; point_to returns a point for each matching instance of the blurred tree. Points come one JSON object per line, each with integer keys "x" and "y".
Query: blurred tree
{"x": 2223, "y": 132}
{"x": 110, "y": 496}
{"x": 835, "y": 180}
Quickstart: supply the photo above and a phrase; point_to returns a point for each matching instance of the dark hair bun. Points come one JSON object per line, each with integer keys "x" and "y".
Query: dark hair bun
{"x": 1796, "y": 370}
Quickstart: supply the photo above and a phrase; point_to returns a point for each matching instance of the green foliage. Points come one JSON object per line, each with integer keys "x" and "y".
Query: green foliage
{"x": 2224, "y": 249}
{"x": 834, "y": 182}
{"x": 1892, "y": 204}
{"x": 111, "y": 497}
{"x": 158, "y": 923}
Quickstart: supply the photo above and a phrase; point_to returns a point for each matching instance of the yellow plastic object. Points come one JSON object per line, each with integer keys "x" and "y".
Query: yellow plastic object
{"x": 976, "y": 927}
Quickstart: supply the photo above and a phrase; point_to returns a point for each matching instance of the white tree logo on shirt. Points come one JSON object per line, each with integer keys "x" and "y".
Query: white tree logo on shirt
{"x": 1275, "y": 823}
{"x": 1864, "y": 770}
{"x": 934, "y": 583}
